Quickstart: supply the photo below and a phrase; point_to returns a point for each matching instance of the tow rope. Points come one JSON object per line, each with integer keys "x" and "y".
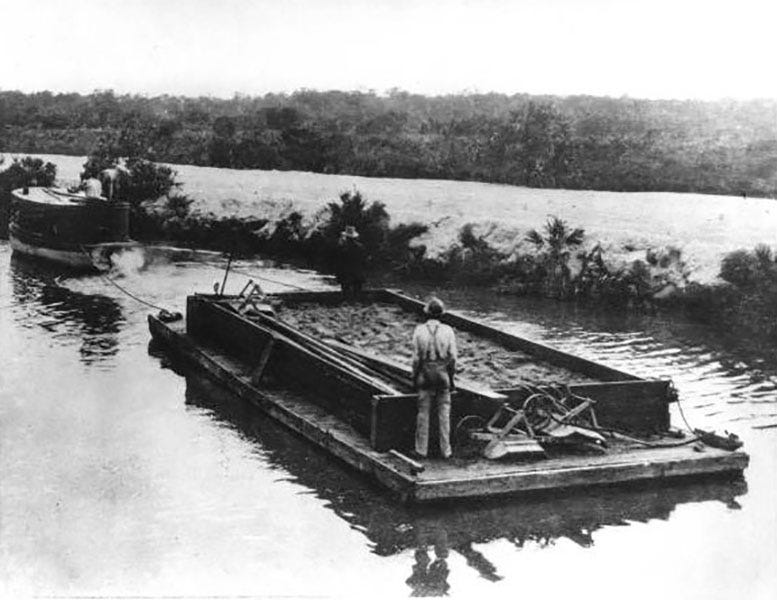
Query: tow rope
{"x": 164, "y": 314}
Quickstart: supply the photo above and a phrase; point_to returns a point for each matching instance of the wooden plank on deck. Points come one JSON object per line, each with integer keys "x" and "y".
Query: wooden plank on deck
{"x": 633, "y": 466}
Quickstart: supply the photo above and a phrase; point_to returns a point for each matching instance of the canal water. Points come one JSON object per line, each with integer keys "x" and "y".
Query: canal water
{"x": 121, "y": 477}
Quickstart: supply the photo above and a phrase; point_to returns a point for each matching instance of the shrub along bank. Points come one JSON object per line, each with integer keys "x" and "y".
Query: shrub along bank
{"x": 20, "y": 173}
{"x": 311, "y": 240}
{"x": 746, "y": 298}
{"x": 556, "y": 261}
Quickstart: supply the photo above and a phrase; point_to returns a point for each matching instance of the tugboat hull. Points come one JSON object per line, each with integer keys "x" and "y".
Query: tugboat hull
{"x": 68, "y": 229}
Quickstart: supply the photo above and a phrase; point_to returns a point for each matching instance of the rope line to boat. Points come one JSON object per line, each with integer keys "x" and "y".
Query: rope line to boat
{"x": 682, "y": 415}
{"x": 269, "y": 279}
{"x": 131, "y": 295}
{"x": 119, "y": 287}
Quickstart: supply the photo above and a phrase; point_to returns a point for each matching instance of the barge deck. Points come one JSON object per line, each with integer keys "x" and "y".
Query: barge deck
{"x": 365, "y": 444}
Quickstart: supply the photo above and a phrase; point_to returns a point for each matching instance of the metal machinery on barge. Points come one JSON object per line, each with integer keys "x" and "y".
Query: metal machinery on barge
{"x": 596, "y": 425}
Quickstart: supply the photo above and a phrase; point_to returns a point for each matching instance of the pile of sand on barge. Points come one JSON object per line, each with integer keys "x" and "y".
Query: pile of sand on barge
{"x": 387, "y": 330}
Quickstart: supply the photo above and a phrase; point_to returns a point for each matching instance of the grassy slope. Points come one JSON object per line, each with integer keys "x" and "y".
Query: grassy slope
{"x": 703, "y": 226}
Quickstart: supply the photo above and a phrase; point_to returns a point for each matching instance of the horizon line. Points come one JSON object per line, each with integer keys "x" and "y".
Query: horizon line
{"x": 387, "y": 93}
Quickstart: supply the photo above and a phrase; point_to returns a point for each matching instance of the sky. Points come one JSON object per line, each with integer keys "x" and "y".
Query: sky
{"x": 644, "y": 49}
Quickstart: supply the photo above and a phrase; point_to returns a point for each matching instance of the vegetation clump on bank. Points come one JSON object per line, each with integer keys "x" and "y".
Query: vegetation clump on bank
{"x": 745, "y": 300}
{"x": 309, "y": 240}
{"x": 22, "y": 172}
{"x": 556, "y": 261}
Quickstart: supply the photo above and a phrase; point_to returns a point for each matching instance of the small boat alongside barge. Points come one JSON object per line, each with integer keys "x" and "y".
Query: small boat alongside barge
{"x": 358, "y": 405}
{"x": 70, "y": 229}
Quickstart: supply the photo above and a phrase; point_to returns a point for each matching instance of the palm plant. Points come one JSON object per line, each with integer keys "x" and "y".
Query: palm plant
{"x": 555, "y": 246}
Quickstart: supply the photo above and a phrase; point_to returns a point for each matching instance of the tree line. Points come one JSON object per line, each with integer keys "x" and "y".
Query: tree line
{"x": 576, "y": 142}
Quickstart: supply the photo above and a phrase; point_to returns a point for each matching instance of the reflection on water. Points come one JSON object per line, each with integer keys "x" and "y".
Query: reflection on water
{"x": 433, "y": 532}
{"x": 92, "y": 320}
{"x": 430, "y": 577}
{"x": 113, "y": 485}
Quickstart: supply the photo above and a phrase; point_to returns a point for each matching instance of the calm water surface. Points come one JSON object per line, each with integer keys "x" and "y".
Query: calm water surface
{"x": 120, "y": 477}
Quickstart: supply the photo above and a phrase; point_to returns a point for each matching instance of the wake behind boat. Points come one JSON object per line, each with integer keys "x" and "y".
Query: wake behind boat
{"x": 68, "y": 228}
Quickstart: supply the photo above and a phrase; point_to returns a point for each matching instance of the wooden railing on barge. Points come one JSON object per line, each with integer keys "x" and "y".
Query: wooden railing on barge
{"x": 288, "y": 364}
{"x": 624, "y": 401}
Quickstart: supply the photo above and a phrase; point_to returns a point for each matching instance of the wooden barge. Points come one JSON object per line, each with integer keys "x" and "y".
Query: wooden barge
{"x": 307, "y": 384}
{"x": 392, "y": 527}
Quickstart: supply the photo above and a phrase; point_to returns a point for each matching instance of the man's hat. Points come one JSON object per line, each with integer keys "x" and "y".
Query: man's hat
{"x": 434, "y": 308}
{"x": 350, "y": 232}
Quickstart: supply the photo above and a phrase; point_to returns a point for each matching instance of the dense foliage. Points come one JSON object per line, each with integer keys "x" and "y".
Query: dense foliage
{"x": 140, "y": 179}
{"x": 22, "y": 172}
{"x": 312, "y": 241}
{"x": 26, "y": 171}
{"x": 747, "y": 302}
{"x": 576, "y": 142}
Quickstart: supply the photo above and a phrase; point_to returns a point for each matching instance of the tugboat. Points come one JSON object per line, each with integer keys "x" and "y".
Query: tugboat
{"x": 79, "y": 230}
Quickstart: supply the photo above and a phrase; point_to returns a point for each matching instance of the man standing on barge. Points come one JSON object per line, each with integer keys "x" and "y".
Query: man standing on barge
{"x": 434, "y": 365}
{"x": 351, "y": 262}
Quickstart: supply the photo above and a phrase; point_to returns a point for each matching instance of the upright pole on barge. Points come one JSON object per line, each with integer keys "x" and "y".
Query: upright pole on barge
{"x": 226, "y": 273}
